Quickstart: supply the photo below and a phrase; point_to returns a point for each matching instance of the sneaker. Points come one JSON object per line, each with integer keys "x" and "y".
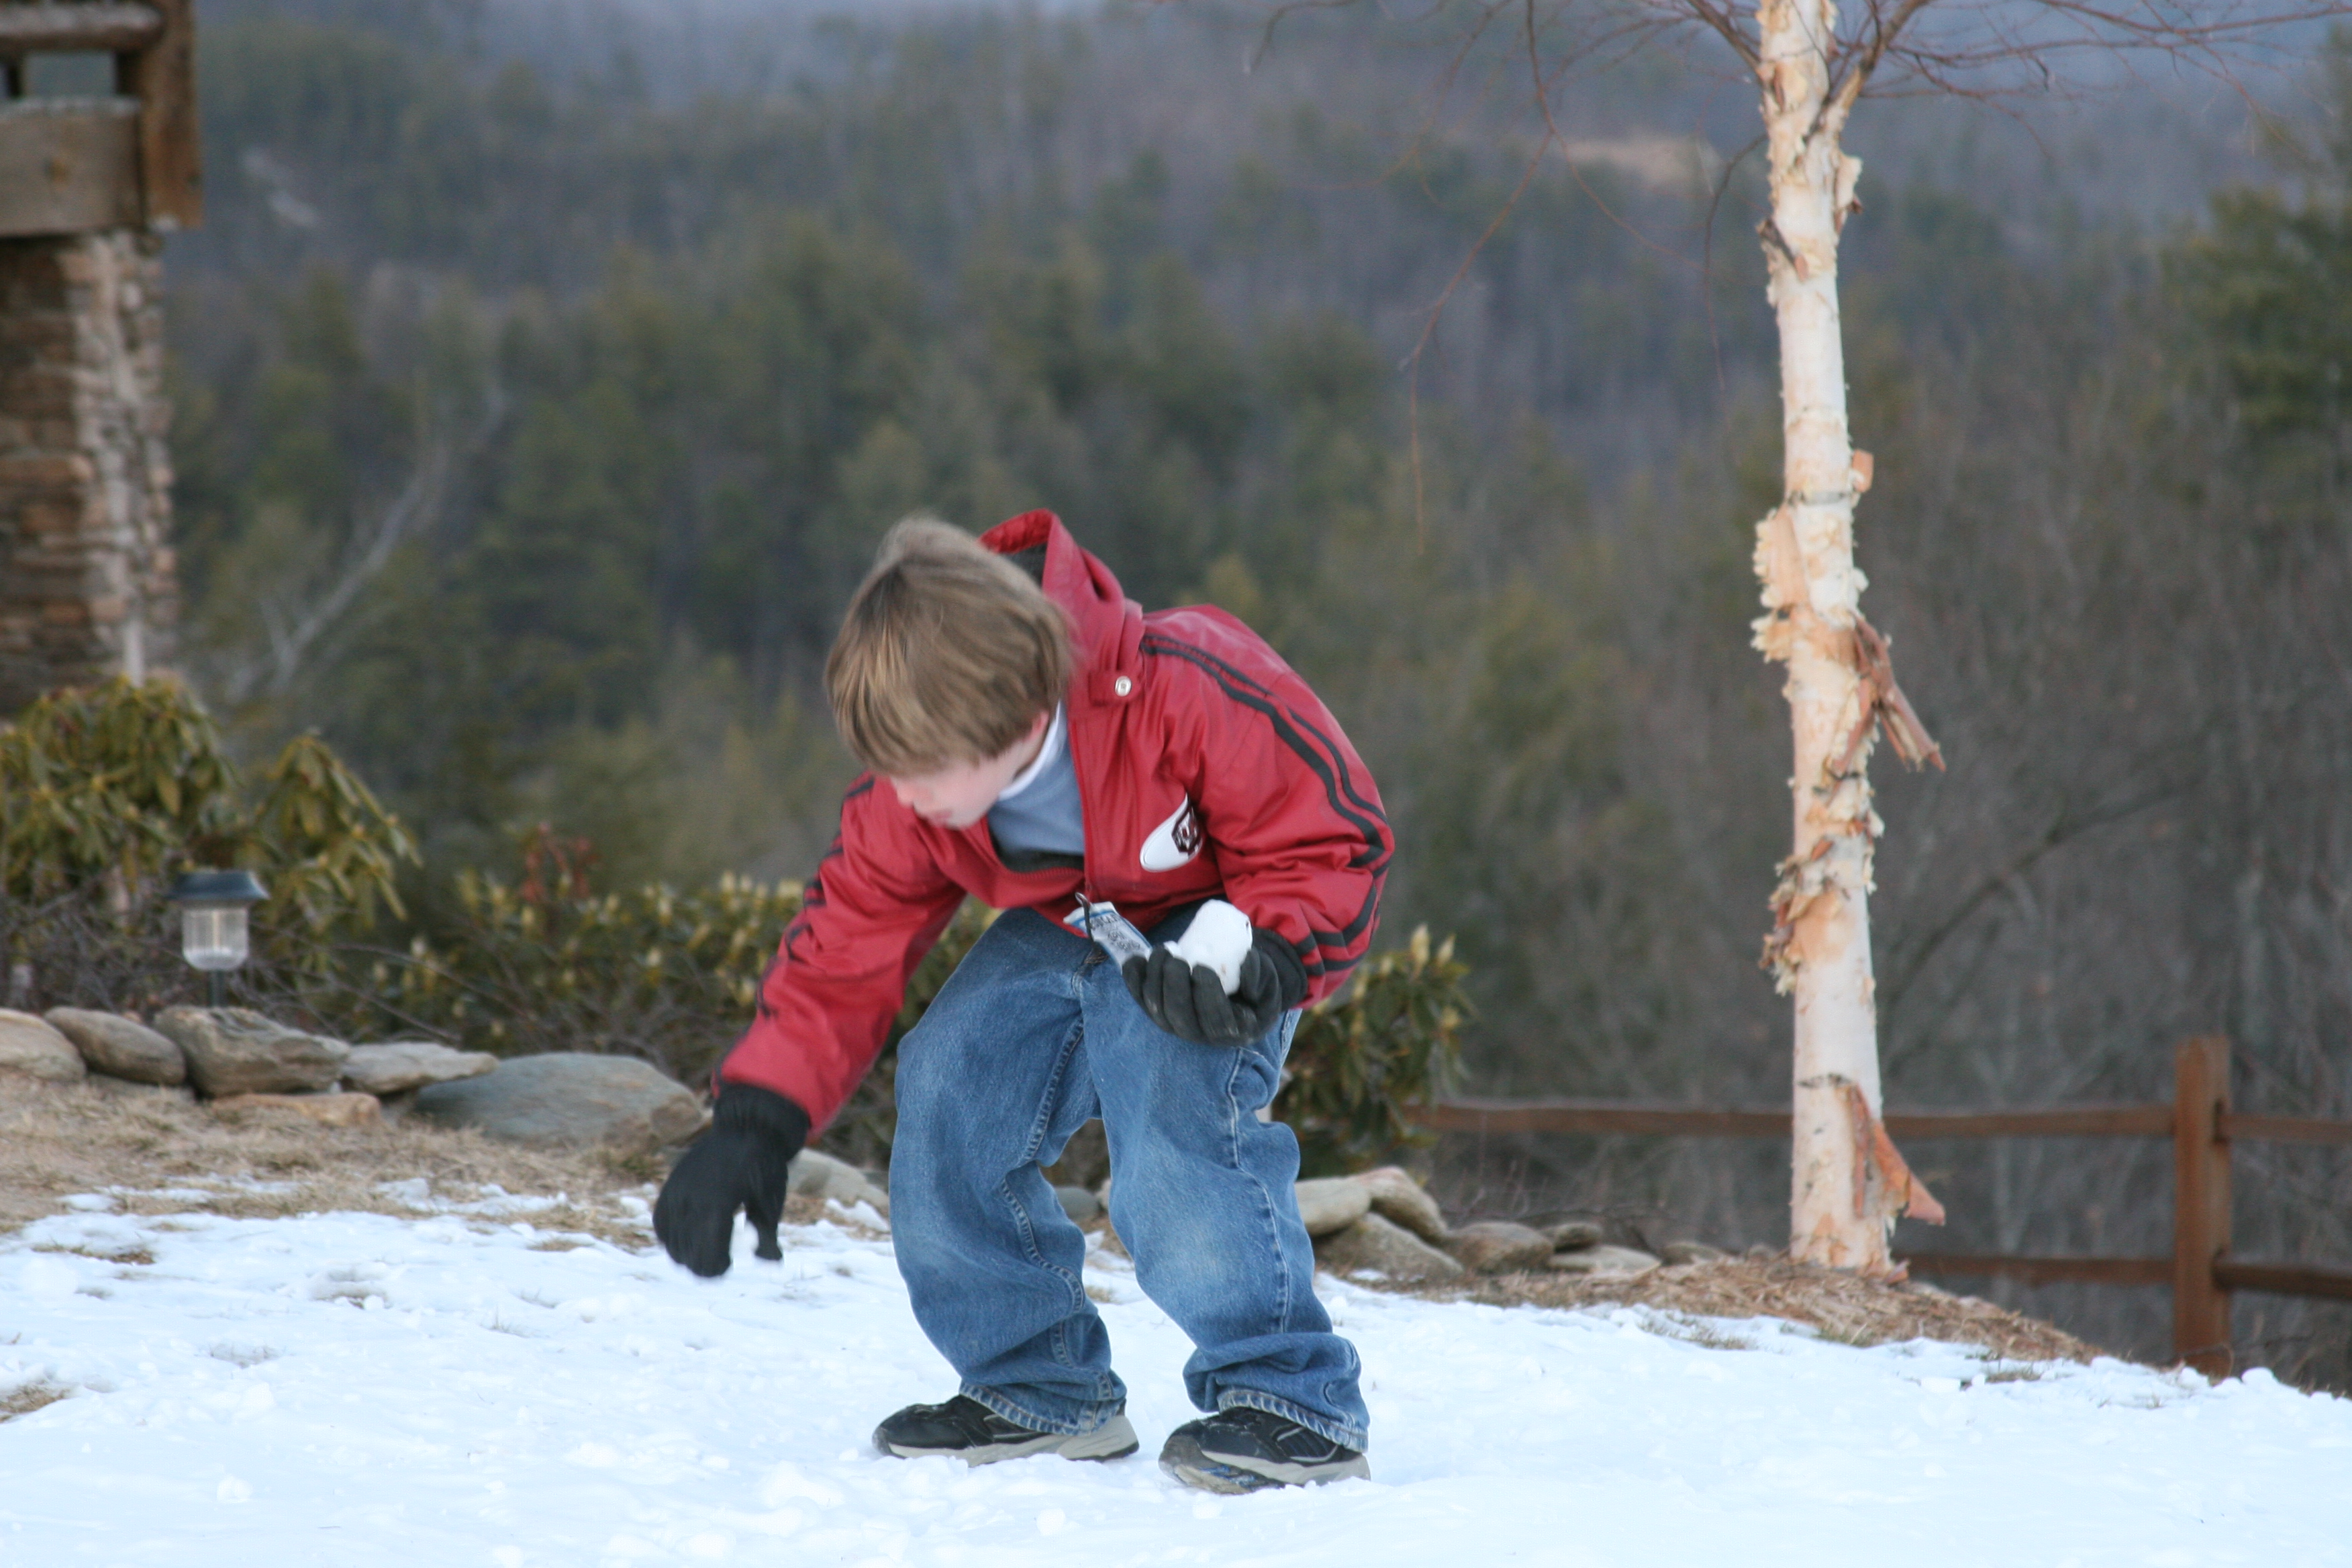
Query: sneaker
{"x": 966, "y": 1429}
{"x": 1246, "y": 1450}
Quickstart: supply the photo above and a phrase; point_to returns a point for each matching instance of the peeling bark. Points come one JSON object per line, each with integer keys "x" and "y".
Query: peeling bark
{"x": 1848, "y": 1183}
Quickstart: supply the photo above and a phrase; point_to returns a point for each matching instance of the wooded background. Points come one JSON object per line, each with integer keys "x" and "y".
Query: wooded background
{"x": 545, "y": 375}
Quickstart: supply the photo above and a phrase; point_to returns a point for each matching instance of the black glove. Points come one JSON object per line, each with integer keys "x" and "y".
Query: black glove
{"x": 1189, "y": 1001}
{"x": 741, "y": 1162}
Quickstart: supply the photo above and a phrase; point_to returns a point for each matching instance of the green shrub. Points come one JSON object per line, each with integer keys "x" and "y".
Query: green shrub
{"x": 1389, "y": 1039}
{"x": 545, "y": 963}
{"x": 108, "y": 793}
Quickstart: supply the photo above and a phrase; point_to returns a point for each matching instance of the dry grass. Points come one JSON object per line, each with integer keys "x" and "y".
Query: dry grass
{"x": 28, "y": 1397}
{"x": 162, "y": 1154}
{"x": 161, "y": 1151}
{"x": 1839, "y": 1306}
{"x": 124, "y": 1254}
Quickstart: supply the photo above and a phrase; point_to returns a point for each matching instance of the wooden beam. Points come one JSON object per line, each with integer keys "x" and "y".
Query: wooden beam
{"x": 2042, "y": 1270}
{"x": 82, "y": 28}
{"x": 163, "y": 77}
{"x": 2056, "y": 1122}
{"x": 2284, "y": 1278}
{"x": 1594, "y": 1117}
{"x": 67, "y": 167}
{"x": 2284, "y": 1129}
{"x": 2200, "y": 1213}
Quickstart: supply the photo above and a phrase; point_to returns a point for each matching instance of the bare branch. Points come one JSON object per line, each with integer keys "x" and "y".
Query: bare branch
{"x": 2067, "y": 825}
{"x": 1859, "y": 70}
{"x": 1721, "y": 20}
{"x": 290, "y": 641}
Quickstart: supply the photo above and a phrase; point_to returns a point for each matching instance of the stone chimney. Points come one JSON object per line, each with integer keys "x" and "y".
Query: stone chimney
{"x": 87, "y": 186}
{"x": 87, "y": 586}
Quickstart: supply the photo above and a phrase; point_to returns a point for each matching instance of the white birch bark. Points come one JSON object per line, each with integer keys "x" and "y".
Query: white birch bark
{"x": 1847, "y": 1182}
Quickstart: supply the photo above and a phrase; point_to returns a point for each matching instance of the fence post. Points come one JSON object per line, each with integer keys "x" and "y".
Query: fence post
{"x": 2200, "y": 1214}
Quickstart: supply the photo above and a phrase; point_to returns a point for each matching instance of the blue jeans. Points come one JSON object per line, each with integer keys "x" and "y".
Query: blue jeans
{"x": 1034, "y": 1034}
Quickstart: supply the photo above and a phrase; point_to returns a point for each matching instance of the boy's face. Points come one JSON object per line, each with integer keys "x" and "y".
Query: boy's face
{"x": 959, "y": 794}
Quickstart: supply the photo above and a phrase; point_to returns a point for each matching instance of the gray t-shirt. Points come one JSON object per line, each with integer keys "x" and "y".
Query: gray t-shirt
{"x": 1036, "y": 821}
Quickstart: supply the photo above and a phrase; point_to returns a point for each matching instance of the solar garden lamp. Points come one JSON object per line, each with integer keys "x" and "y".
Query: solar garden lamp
{"x": 213, "y": 934}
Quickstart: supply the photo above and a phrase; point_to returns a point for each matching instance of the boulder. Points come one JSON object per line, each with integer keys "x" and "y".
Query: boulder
{"x": 1576, "y": 1233}
{"x": 118, "y": 1048}
{"x": 1333, "y": 1203}
{"x": 1374, "y": 1243}
{"x": 29, "y": 1045}
{"x": 1498, "y": 1247}
{"x": 1396, "y": 1197}
{"x": 1080, "y": 1205}
{"x": 1690, "y": 1252}
{"x": 326, "y": 1110}
{"x": 235, "y": 1051}
{"x": 1603, "y": 1261}
{"x": 404, "y": 1065}
{"x": 815, "y": 1174}
{"x": 569, "y": 1099}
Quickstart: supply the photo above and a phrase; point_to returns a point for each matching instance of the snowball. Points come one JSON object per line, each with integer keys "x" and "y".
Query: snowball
{"x": 1218, "y": 937}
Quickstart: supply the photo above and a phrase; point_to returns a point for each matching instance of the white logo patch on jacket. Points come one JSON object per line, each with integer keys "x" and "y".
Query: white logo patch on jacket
{"x": 1174, "y": 841}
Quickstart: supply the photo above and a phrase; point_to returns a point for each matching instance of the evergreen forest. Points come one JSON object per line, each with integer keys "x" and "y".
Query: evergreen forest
{"x": 542, "y": 391}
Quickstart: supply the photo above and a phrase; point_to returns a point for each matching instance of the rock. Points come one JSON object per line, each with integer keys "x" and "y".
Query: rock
{"x": 1576, "y": 1233}
{"x": 1080, "y": 1205}
{"x": 568, "y": 1100}
{"x": 1603, "y": 1260}
{"x": 235, "y": 1051}
{"x": 1690, "y": 1252}
{"x": 120, "y": 1048}
{"x": 1374, "y": 1243}
{"x": 30, "y": 1045}
{"x": 816, "y": 1174}
{"x": 326, "y": 1110}
{"x": 404, "y": 1065}
{"x": 1397, "y": 1197}
{"x": 1498, "y": 1247}
{"x": 1331, "y": 1204}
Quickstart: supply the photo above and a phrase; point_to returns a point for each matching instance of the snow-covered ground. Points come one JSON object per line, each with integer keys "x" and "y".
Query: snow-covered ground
{"x": 355, "y": 1389}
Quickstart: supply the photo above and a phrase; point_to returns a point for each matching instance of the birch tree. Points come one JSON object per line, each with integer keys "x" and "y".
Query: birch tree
{"x": 1811, "y": 66}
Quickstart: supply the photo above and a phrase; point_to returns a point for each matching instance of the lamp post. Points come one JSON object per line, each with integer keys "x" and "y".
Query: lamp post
{"x": 214, "y": 936}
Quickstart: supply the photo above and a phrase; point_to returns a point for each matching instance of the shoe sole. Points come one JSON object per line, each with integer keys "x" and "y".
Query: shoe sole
{"x": 1114, "y": 1440}
{"x": 1186, "y": 1462}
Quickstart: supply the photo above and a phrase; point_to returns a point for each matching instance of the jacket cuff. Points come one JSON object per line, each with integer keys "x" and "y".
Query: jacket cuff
{"x": 762, "y": 1113}
{"x": 1288, "y": 969}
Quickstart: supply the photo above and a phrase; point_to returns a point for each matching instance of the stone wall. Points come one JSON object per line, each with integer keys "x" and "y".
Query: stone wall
{"x": 86, "y": 581}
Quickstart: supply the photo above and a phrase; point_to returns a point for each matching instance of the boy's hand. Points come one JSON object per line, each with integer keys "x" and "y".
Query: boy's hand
{"x": 1186, "y": 999}
{"x": 742, "y": 1162}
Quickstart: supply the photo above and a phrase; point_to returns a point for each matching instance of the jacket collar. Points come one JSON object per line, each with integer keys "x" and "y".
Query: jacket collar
{"x": 1106, "y": 625}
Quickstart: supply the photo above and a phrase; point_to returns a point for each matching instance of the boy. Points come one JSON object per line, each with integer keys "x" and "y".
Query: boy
{"x": 1035, "y": 741}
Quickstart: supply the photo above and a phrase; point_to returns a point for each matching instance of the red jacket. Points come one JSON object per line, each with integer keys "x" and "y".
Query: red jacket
{"x": 1177, "y": 711}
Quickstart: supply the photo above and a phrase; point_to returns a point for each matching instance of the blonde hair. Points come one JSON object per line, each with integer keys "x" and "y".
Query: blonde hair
{"x": 948, "y": 654}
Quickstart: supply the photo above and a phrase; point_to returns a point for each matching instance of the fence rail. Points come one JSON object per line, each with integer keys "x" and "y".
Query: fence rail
{"x": 2200, "y": 1272}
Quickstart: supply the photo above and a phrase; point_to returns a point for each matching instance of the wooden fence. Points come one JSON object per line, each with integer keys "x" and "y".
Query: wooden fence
{"x": 2199, "y": 1122}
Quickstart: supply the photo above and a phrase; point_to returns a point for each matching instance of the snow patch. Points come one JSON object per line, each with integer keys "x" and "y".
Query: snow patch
{"x": 399, "y": 1391}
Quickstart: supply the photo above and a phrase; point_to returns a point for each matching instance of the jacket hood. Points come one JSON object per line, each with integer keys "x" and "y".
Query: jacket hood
{"x": 1106, "y": 625}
